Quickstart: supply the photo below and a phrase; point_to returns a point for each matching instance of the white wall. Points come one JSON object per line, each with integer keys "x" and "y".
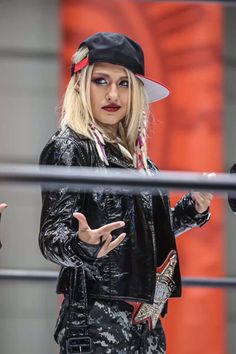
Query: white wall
{"x": 29, "y": 43}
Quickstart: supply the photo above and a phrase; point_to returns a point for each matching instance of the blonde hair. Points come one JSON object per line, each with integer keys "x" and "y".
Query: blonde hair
{"x": 77, "y": 113}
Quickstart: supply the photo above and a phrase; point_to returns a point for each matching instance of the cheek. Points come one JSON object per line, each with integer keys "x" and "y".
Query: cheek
{"x": 97, "y": 93}
{"x": 94, "y": 97}
{"x": 125, "y": 98}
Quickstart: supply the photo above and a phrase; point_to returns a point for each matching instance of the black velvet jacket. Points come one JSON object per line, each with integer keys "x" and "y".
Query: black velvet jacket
{"x": 127, "y": 272}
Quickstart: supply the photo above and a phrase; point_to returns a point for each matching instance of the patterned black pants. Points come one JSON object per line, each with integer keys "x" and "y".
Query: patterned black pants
{"x": 112, "y": 332}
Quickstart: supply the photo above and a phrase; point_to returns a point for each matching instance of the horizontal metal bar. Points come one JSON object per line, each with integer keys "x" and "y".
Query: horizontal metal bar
{"x": 194, "y": 2}
{"x": 85, "y": 178}
{"x": 7, "y": 53}
{"x": 209, "y": 282}
{"x": 40, "y": 275}
{"x": 222, "y": 2}
{"x": 25, "y": 274}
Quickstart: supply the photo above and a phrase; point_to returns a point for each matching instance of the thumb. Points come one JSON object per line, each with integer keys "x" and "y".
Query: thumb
{"x": 82, "y": 221}
{"x": 193, "y": 195}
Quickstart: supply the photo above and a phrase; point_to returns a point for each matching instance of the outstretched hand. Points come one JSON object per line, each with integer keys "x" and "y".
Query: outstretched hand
{"x": 103, "y": 233}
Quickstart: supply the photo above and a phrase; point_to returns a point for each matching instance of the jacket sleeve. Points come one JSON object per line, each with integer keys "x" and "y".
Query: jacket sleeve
{"x": 185, "y": 216}
{"x": 58, "y": 238}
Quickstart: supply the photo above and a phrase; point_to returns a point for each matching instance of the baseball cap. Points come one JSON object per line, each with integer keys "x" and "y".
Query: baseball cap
{"x": 119, "y": 49}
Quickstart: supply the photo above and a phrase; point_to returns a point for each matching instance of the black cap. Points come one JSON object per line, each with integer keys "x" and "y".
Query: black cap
{"x": 115, "y": 48}
{"x": 119, "y": 49}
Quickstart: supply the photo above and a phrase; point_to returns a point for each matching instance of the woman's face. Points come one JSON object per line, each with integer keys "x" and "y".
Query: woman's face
{"x": 109, "y": 94}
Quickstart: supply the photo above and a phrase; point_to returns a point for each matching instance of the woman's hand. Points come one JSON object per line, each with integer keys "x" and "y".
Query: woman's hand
{"x": 2, "y": 207}
{"x": 103, "y": 233}
{"x": 203, "y": 199}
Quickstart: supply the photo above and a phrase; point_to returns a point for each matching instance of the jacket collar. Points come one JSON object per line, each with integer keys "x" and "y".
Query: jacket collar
{"x": 116, "y": 158}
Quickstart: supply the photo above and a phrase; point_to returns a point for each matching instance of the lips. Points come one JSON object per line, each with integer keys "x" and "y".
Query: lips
{"x": 111, "y": 108}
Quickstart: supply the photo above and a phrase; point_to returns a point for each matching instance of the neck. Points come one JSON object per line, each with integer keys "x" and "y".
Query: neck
{"x": 111, "y": 131}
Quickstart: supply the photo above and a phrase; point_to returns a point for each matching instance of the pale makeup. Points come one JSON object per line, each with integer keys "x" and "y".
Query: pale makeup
{"x": 109, "y": 94}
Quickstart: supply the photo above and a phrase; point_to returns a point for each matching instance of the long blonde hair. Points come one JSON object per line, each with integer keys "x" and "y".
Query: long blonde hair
{"x": 77, "y": 113}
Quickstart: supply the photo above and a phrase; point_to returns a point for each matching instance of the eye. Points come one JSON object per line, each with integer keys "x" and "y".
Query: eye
{"x": 124, "y": 83}
{"x": 99, "y": 81}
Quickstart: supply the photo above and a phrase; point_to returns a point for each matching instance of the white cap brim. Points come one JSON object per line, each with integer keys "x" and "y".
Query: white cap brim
{"x": 155, "y": 90}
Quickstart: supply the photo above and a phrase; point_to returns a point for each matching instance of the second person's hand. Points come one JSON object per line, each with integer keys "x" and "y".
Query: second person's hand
{"x": 2, "y": 207}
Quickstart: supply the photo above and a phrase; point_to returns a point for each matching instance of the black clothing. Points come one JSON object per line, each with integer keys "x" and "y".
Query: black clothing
{"x": 128, "y": 271}
{"x": 111, "y": 328}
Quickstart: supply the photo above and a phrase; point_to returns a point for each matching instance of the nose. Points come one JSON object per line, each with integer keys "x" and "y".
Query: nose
{"x": 112, "y": 93}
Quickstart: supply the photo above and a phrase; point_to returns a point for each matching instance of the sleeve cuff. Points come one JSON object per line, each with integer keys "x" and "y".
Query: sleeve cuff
{"x": 85, "y": 250}
{"x": 200, "y": 218}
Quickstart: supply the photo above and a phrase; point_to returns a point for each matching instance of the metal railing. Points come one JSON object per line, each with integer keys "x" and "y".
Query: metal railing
{"x": 121, "y": 180}
{"x": 87, "y": 178}
{"x": 50, "y": 275}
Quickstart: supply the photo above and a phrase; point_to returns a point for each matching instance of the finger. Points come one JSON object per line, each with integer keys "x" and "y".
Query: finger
{"x": 117, "y": 241}
{"x": 104, "y": 250}
{"x": 104, "y": 237}
{"x": 204, "y": 195}
{"x": 208, "y": 196}
{"x": 196, "y": 196}
{"x": 202, "y": 202}
{"x": 109, "y": 245}
{"x": 107, "y": 229}
{"x": 3, "y": 206}
{"x": 83, "y": 224}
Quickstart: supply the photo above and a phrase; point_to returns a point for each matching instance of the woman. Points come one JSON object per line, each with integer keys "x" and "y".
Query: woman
{"x": 110, "y": 244}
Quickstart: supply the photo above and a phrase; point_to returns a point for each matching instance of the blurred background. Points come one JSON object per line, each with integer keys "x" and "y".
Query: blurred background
{"x": 189, "y": 46}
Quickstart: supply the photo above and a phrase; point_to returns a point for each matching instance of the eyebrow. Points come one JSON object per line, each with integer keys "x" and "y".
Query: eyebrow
{"x": 107, "y": 75}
